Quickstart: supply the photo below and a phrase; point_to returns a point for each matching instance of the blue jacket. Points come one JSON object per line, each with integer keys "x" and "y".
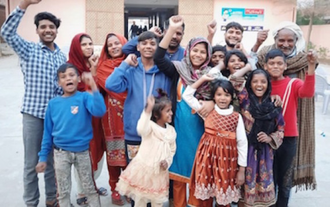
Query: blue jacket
{"x": 126, "y": 77}
{"x": 130, "y": 48}
{"x": 68, "y": 122}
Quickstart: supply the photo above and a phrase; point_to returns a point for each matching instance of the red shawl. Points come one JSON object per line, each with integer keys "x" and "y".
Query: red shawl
{"x": 76, "y": 58}
{"x": 112, "y": 121}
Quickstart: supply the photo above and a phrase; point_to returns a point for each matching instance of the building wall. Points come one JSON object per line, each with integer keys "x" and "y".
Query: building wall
{"x": 319, "y": 36}
{"x": 197, "y": 14}
{"x": 72, "y": 14}
{"x": 274, "y": 13}
{"x": 103, "y": 17}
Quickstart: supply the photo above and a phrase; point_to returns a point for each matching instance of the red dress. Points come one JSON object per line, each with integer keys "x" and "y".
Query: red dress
{"x": 215, "y": 165}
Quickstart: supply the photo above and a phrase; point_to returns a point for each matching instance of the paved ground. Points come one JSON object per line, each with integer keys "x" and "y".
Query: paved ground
{"x": 11, "y": 147}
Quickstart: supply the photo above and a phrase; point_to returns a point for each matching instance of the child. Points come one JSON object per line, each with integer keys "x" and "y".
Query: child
{"x": 220, "y": 159}
{"x": 68, "y": 128}
{"x": 289, "y": 90}
{"x": 146, "y": 178}
{"x": 264, "y": 125}
{"x": 218, "y": 54}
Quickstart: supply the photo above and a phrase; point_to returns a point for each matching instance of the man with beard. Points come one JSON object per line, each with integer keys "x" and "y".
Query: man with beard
{"x": 39, "y": 62}
{"x": 174, "y": 51}
{"x": 298, "y": 163}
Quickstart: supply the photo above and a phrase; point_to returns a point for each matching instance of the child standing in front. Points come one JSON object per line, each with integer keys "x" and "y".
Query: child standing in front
{"x": 221, "y": 156}
{"x": 68, "y": 128}
{"x": 146, "y": 178}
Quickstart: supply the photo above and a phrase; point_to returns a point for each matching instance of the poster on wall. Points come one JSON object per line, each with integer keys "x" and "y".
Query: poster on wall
{"x": 251, "y": 19}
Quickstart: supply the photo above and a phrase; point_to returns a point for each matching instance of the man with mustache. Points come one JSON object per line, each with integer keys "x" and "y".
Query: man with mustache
{"x": 39, "y": 62}
{"x": 297, "y": 169}
{"x": 174, "y": 51}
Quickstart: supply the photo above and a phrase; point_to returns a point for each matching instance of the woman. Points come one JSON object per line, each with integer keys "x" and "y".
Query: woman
{"x": 111, "y": 57}
{"x": 81, "y": 56}
{"x": 188, "y": 124}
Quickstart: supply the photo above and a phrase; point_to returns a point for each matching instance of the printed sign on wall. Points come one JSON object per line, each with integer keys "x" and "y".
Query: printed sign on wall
{"x": 250, "y": 19}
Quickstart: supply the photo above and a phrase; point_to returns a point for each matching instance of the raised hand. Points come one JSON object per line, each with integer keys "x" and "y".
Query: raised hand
{"x": 88, "y": 79}
{"x": 312, "y": 57}
{"x": 25, "y": 3}
{"x": 93, "y": 60}
{"x": 150, "y": 104}
{"x": 176, "y": 21}
{"x": 262, "y": 36}
{"x": 131, "y": 59}
{"x": 41, "y": 166}
{"x": 212, "y": 27}
{"x": 156, "y": 30}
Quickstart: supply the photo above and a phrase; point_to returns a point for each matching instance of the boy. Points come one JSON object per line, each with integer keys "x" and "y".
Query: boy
{"x": 68, "y": 128}
{"x": 140, "y": 77}
{"x": 289, "y": 90}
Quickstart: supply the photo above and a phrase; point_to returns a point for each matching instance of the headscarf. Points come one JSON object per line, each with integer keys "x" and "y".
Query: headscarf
{"x": 107, "y": 64}
{"x": 77, "y": 58}
{"x": 188, "y": 74}
{"x": 264, "y": 113}
{"x": 300, "y": 44}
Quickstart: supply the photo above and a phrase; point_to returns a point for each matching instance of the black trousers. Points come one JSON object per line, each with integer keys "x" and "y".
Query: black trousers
{"x": 283, "y": 170}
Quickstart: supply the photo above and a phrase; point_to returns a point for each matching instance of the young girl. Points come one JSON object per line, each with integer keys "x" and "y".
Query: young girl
{"x": 220, "y": 159}
{"x": 264, "y": 125}
{"x": 146, "y": 178}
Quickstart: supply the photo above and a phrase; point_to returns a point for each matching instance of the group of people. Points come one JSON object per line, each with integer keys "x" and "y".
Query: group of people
{"x": 221, "y": 119}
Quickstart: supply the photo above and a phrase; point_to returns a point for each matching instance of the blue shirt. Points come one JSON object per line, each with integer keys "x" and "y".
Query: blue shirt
{"x": 139, "y": 85}
{"x": 68, "y": 122}
{"x": 38, "y": 64}
{"x": 130, "y": 48}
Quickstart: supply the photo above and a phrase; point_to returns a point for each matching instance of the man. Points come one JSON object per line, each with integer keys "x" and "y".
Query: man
{"x": 289, "y": 39}
{"x": 233, "y": 35}
{"x": 39, "y": 62}
{"x": 134, "y": 29}
{"x": 174, "y": 51}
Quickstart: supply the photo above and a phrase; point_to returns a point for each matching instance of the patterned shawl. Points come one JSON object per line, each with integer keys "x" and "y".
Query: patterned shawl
{"x": 304, "y": 163}
{"x": 189, "y": 75}
{"x": 264, "y": 113}
{"x": 76, "y": 58}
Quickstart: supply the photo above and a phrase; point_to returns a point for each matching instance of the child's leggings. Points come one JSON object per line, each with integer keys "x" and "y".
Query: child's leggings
{"x": 142, "y": 203}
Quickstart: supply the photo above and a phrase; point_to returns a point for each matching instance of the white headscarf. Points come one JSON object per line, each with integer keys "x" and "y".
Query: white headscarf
{"x": 300, "y": 44}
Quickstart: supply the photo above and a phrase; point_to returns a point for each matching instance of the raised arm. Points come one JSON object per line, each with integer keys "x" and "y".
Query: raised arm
{"x": 308, "y": 87}
{"x": 95, "y": 102}
{"x": 119, "y": 80}
{"x": 130, "y": 47}
{"x": 9, "y": 30}
{"x": 143, "y": 126}
{"x": 188, "y": 94}
{"x": 211, "y": 29}
{"x": 261, "y": 37}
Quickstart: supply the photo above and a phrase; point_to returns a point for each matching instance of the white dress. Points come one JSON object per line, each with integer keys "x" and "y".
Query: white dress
{"x": 143, "y": 179}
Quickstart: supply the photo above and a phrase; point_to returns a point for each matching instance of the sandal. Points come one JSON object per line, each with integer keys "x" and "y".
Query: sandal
{"x": 53, "y": 203}
{"x": 82, "y": 201}
{"x": 128, "y": 199}
{"x": 102, "y": 191}
{"x": 116, "y": 199}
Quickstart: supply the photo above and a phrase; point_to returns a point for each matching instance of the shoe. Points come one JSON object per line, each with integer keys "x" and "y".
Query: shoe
{"x": 116, "y": 199}
{"x": 102, "y": 191}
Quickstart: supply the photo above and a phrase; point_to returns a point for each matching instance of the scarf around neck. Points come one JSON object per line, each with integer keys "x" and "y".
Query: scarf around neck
{"x": 264, "y": 113}
{"x": 189, "y": 75}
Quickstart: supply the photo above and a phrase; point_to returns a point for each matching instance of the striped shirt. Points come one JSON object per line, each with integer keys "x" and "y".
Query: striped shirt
{"x": 39, "y": 66}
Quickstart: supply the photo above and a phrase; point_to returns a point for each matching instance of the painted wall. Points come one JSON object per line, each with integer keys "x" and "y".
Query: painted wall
{"x": 72, "y": 14}
{"x": 274, "y": 13}
{"x": 319, "y": 36}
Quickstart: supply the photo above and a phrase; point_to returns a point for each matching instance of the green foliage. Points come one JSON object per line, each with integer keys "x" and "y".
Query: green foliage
{"x": 304, "y": 19}
{"x": 323, "y": 52}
